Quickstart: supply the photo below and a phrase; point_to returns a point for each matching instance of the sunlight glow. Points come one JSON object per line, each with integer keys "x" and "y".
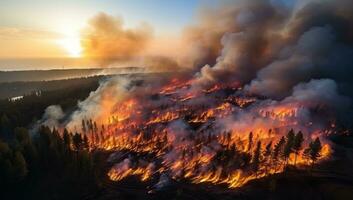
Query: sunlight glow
{"x": 72, "y": 45}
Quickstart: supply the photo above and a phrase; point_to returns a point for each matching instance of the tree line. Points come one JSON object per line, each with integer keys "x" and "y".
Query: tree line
{"x": 45, "y": 158}
{"x": 262, "y": 158}
{"x": 42, "y": 164}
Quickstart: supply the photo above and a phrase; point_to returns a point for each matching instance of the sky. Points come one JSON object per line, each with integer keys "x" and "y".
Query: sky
{"x": 34, "y": 29}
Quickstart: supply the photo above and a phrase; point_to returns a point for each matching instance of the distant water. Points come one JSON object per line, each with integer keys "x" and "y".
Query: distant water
{"x": 58, "y": 74}
{"x": 45, "y": 63}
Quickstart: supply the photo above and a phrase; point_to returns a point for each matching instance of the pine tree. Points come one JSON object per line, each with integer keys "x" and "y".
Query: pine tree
{"x": 95, "y": 127}
{"x": 278, "y": 149}
{"x": 67, "y": 138}
{"x": 287, "y": 150}
{"x": 90, "y": 124}
{"x": 19, "y": 166}
{"x": 22, "y": 136}
{"x": 267, "y": 154}
{"x": 84, "y": 129}
{"x": 77, "y": 141}
{"x": 313, "y": 151}
{"x": 268, "y": 149}
{"x": 256, "y": 157}
{"x": 250, "y": 141}
{"x": 297, "y": 145}
{"x": 5, "y": 162}
{"x": 85, "y": 142}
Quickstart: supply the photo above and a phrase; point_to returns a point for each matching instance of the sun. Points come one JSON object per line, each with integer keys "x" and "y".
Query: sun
{"x": 72, "y": 45}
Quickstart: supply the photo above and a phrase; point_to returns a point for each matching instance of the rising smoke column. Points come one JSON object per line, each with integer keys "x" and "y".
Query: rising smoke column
{"x": 233, "y": 41}
{"x": 107, "y": 41}
{"x": 273, "y": 48}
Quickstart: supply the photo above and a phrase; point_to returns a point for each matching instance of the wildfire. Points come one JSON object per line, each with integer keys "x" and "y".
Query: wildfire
{"x": 197, "y": 149}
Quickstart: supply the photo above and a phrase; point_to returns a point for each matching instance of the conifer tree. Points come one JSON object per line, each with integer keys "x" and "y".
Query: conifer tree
{"x": 278, "y": 148}
{"x": 313, "y": 151}
{"x": 84, "y": 129}
{"x": 85, "y": 141}
{"x": 66, "y": 138}
{"x": 77, "y": 141}
{"x": 250, "y": 142}
{"x": 267, "y": 154}
{"x": 297, "y": 145}
{"x": 268, "y": 149}
{"x": 19, "y": 166}
{"x": 287, "y": 150}
{"x": 256, "y": 157}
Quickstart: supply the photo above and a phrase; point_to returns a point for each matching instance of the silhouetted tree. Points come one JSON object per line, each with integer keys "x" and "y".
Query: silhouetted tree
{"x": 85, "y": 141}
{"x": 19, "y": 166}
{"x": 66, "y": 138}
{"x": 313, "y": 151}
{"x": 267, "y": 154}
{"x": 77, "y": 141}
{"x": 256, "y": 158}
{"x": 84, "y": 129}
{"x": 22, "y": 136}
{"x": 250, "y": 142}
{"x": 278, "y": 148}
{"x": 297, "y": 145}
{"x": 287, "y": 150}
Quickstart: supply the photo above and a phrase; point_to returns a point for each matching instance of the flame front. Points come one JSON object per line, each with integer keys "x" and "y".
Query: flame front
{"x": 188, "y": 137}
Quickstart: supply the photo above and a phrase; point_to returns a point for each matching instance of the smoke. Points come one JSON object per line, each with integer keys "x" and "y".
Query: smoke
{"x": 308, "y": 109}
{"x": 101, "y": 102}
{"x": 317, "y": 54}
{"x": 265, "y": 45}
{"x": 319, "y": 92}
{"x": 272, "y": 48}
{"x": 53, "y": 117}
{"x": 107, "y": 41}
{"x": 234, "y": 40}
{"x": 296, "y": 56}
{"x": 287, "y": 54}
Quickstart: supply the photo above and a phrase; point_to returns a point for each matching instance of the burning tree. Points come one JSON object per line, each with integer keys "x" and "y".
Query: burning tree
{"x": 170, "y": 135}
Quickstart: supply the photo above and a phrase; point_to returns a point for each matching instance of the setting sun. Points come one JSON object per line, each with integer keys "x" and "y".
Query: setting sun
{"x": 72, "y": 46}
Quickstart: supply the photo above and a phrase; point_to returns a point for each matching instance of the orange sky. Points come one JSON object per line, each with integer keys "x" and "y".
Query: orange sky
{"x": 25, "y": 43}
{"x": 53, "y": 29}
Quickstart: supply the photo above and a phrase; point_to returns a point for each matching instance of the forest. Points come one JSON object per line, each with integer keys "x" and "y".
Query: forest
{"x": 47, "y": 163}
{"x": 41, "y": 163}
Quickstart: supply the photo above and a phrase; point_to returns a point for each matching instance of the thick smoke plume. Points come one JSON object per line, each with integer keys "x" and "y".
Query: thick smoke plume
{"x": 271, "y": 47}
{"x": 107, "y": 41}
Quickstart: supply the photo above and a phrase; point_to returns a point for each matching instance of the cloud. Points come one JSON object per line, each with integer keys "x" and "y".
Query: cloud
{"x": 22, "y": 33}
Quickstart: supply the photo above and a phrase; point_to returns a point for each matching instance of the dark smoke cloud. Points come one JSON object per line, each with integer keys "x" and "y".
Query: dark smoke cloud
{"x": 234, "y": 40}
{"x": 318, "y": 92}
{"x": 107, "y": 41}
{"x": 272, "y": 48}
{"x": 297, "y": 64}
